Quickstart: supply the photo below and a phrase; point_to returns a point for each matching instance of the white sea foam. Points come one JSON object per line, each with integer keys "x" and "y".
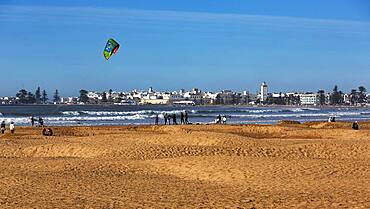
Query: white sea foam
{"x": 101, "y": 118}
{"x": 200, "y": 112}
{"x": 258, "y": 111}
{"x": 200, "y": 115}
{"x": 122, "y": 113}
{"x": 70, "y": 113}
{"x": 297, "y": 110}
{"x": 298, "y": 115}
{"x": 16, "y": 120}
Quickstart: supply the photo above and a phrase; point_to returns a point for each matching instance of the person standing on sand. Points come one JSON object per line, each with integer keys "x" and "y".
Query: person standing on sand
{"x": 174, "y": 119}
{"x": 169, "y": 119}
{"x": 156, "y": 119}
{"x": 3, "y": 127}
{"x": 218, "y": 120}
{"x": 12, "y": 127}
{"x": 32, "y": 121}
{"x": 165, "y": 118}
{"x": 182, "y": 118}
{"x": 41, "y": 122}
{"x": 186, "y": 117}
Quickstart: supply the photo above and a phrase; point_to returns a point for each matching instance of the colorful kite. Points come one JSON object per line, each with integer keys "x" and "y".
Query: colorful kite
{"x": 110, "y": 48}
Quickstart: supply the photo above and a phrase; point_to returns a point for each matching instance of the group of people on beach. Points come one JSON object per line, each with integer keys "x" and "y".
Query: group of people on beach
{"x": 11, "y": 127}
{"x": 221, "y": 119}
{"x": 355, "y": 125}
{"x": 184, "y": 118}
{"x": 331, "y": 119}
{"x": 40, "y": 120}
{"x": 12, "y": 124}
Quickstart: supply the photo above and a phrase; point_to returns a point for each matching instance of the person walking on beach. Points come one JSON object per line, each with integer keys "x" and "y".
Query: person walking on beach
{"x": 182, "y": 118}
{"x": 12, "y": 127}
{"x": 174, "y": 119}
{"x": 41, "y": 122}
{"x": 3, "y": 127}
{"x": 32, "y": 121}
{"x": 156, "y": 119}
{"x": 186, "y": 118}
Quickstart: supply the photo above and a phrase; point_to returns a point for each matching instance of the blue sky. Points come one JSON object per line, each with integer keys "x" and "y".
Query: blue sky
{"x": 167, "y": 44}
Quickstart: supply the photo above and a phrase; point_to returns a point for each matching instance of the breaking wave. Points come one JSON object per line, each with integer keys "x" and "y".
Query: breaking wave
{"x": 123, "y": 113}
{"x": 257, "y": 111}
{"x": 196, "y": 114}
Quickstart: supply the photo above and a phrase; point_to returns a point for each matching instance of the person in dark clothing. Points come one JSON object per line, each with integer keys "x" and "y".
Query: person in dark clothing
{"x": 41, "y": 122}
{"x": 169, "y": 119}
{"x": 156, "y": 119}
{"x": 174, "y": 119}
{"x": 165, "y": 118}
{"x": 219, "y": 119}
{"x": 32, "y": 121}
{"x": 182, "y": 118}
{"x": 355, "y": 126}
{"x": 186, "y": 118}
{"x": 3, "y": 127}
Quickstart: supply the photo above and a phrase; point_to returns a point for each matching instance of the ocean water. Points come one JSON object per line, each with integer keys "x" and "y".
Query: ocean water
{"x": 58, "y": 115}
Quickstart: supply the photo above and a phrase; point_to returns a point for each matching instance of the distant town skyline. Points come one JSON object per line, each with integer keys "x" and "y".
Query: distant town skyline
{"x": 213, "y": 45}
{"x": 356, "y": 97}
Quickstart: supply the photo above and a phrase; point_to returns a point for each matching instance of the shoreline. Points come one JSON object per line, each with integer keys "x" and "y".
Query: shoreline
{"x": 339, "y": 124}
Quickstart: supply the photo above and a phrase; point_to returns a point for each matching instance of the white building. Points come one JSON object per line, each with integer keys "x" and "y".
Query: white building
{"x": 309, "y": 99}
{"x": 264, "y": 92}
{"x": 93, "y": 95}
{"x": 277, "y": 95}
{"x": 346, "y": 99}
{"x": 194, "y": 96}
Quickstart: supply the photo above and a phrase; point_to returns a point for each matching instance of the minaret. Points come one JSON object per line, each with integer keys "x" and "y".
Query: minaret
{"x": 264, "y": 91}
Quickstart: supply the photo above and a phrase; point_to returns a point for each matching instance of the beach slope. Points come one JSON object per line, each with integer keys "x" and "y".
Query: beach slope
{"x": 313, "y": 165}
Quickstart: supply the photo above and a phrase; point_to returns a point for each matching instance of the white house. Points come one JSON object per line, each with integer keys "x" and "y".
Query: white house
{"x": 309, "y": 99}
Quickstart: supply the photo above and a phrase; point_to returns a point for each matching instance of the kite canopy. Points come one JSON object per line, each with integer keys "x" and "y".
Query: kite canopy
{"x": 110, "y": 48}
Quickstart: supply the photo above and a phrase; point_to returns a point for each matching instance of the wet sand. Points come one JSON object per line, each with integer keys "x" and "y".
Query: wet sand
{"x": 313, "y": 165}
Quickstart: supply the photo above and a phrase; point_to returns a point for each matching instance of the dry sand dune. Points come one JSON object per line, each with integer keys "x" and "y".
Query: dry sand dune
{"x": 312, "y": 165}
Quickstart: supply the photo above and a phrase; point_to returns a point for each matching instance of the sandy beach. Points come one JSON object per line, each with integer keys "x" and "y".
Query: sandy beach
{"x": 312, "y": 165}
